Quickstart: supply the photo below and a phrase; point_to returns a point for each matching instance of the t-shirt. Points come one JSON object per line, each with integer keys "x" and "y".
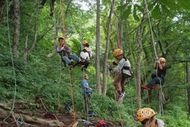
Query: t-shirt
{"x": 89, "y": 50}
{"x": 160, "y": 123}
{"x": 123, "y": 66}
{"x": 64, "y": 50}
{"x": 161, "y": 72}
{"x": 85, "y": 86}
{"x": 84, "y": 55}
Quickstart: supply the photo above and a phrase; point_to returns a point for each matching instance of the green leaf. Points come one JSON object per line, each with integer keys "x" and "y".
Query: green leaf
{"x": 126, "y": 13}
{"x": 135, "y": 16}
{"x": 156, "y": 12}
{"x": 184, "y": 4}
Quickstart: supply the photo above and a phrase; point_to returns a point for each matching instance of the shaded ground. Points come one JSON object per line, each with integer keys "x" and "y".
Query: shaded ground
{"x": 24, "y": 117}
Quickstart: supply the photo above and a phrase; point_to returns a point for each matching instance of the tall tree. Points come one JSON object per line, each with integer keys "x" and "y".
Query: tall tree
{"x": 99, "y": 87}
{"x": 105, "y": 73}
{"x": 120, "y": 27}
{"x": 16, "y": 20}
{"x": 27, "y": 48}
{"x": 138, "y": 65}
{"x": 188, "y": 89}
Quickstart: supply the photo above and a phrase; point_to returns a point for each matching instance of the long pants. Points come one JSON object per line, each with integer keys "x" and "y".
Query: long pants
{"x": 86, "y": 103}
{"x": 85, "y": 63}
{"x": 67, "y": 60}
{"x": 156, "y": 81}
{"x": 119, "y": 83}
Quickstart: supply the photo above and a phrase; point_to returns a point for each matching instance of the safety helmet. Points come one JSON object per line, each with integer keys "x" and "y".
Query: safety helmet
{"x": 85, "y": 42}
{"x": 117, "y": 52}
{"x": 145, "y": 113}
{"x": 162, "y": 60}
{"x": 61, "y": 38}
{"x": 85, "y": 76}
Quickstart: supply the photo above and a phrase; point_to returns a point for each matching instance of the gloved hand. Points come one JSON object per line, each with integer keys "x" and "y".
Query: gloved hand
{"x": 114, "y": 63}
{"x": 116, "y": 70}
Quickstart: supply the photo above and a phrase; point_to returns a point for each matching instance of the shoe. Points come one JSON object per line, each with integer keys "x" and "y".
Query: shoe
{"x": 120, "y": 97}
{"x": 145, "y": 87}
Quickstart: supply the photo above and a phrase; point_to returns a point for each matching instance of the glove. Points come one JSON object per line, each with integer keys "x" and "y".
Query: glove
{"x": 116, "y": 70}
{"x": 114, "y": 63}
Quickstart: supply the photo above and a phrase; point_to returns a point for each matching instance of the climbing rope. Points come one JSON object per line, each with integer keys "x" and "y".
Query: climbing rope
{"x": 71, "y": 90}
{"x": 161, "y": 94}
{"x": 151, "y": 30}
{"x": 13, "y": 65}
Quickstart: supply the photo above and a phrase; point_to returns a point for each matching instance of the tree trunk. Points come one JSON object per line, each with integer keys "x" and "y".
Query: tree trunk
{"x": 119, "y": 35}
{"x": 138, "y": 65}
{"x": 188, "y": 89}
{"x": 139, "y": 60}
{"x": 27, "y": 49}
{"x": 99, "y": 87}
{"x": 2, "y": 5}
{"x": 62, "y": 14}
{"x": 16, "y": 21}
{"x": 105, "y": 73}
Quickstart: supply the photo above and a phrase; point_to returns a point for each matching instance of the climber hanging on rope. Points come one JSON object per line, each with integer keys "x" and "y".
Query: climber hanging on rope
{"x": 122, "y": 72}
{"x": 157, "y": 78}
{"x": 64, "y": 51}
{"x": 147, "y": 118}
{"x": 85, "y": 55}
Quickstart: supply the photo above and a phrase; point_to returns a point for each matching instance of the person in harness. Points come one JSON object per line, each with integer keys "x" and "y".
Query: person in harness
{"x": 87, "y": 91}
{"x": 121, "y": 71}
{"x": 85, "y": 55}
{"x": 157, "y": 78}
{"x": 147, "y": 118}
{"x": 65, "y": 52}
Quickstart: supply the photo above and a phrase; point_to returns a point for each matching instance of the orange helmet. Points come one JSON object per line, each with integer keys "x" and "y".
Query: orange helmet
{"x": 145, "y": 113}
{"x": 117, "y": 52}
{"x": 162, "y": 60}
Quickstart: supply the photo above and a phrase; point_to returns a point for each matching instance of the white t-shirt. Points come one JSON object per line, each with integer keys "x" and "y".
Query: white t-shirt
{"x": 89, "y": 50}
{"x": 84, "y": 55}
{"x": 160, "y": 123}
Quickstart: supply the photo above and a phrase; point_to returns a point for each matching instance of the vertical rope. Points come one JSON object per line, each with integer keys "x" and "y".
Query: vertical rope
{"x": 71, "y": 90}
{"x": 151, "y": 30}
{"x": 12, "y": 58}
{"x": 13, "y": 66}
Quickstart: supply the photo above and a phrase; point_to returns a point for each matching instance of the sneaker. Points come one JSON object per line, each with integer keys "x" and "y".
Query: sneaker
{"x": 121, "y": 96}
{"x": 145, "y": 87}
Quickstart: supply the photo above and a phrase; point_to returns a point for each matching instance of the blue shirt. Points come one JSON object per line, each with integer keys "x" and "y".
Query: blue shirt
{"x": 85, "y": 87}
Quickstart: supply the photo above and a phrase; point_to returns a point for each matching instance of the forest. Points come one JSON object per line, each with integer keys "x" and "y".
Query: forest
{"x": 44, "y": 84}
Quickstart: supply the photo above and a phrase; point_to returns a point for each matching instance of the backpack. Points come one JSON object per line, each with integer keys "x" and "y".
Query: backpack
{"x": 126, "y": 69}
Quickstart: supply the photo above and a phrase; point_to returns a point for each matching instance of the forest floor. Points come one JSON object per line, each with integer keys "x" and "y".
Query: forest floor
{"x": 22, "y": 116}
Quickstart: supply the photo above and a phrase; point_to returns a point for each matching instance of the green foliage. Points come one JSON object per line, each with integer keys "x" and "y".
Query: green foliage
{"x": 47, "y": 77}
